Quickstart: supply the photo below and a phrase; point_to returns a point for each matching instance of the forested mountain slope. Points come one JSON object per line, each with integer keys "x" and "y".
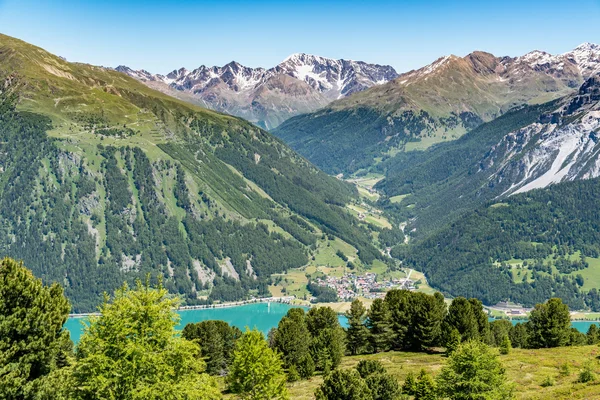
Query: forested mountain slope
{"x": 104, "y": 180}
{"x": 436, "y": 103}
{"x": 510, "y": 210}
{"x": 527, "y": 248}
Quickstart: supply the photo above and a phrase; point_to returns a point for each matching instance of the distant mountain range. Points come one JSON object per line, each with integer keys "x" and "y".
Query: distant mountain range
{"x": 436, "y": 103}
{"x": 301, "y": 83}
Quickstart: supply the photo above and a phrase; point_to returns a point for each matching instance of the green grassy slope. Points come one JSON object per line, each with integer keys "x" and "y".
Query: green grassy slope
{"x": 105, "y": 179}
{"x": 526, "y": 368}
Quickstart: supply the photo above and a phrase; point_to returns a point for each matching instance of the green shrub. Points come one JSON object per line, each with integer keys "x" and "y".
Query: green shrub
{"x": 564, "y": 369}
{"x": 548, "y": 381}
{"x": 586, "y": 374}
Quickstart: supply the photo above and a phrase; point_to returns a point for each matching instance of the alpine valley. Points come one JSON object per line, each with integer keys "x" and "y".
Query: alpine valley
{"x": 505, "y": 211}
{"x": 109, "y": 175}
{"x": 105, "y": 180}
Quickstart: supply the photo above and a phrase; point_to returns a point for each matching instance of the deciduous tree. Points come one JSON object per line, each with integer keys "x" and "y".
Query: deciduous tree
{"x": 131, "y": 351}
{"x": 257, "y": 371}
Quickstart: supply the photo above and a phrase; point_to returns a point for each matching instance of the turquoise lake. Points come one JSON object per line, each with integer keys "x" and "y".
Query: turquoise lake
{"x": 262, "y": 316}
{"x": 581, "y": 326}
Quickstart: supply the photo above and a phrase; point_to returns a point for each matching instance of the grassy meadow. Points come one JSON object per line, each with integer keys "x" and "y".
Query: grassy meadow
{"x": 526, "y": 368}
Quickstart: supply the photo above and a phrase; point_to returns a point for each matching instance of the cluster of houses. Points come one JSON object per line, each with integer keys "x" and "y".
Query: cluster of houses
{"x": 350, "y": 286}
{"x": 511, "y": 309}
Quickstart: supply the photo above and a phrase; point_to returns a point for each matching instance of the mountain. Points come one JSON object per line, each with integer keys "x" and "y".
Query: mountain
{"x": 526, "y": 248}
{"x": 105, "y": 180}
{"x": 561, "y": 146}
{"x": 527, "y": 148}
{"x": 510, "y": 210}
{"x": 301, "y": 83}
{"x": 436, "y": 103}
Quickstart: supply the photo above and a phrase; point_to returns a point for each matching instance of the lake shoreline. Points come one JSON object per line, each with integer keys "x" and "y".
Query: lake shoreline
{"x": 290, "y": 301}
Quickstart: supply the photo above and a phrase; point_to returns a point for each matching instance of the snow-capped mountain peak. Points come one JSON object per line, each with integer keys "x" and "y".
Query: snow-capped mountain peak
{"x": 538, "y": 57}
{"x": 587, "y": 57}
{"x": 335, "y": 78}
{"x": 239, "y": 90}
{"x": 587, "y": 46}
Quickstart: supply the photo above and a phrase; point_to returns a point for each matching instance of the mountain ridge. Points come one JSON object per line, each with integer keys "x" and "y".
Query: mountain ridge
{"x": 252, "y": 92}
{"x": 531, "y": 147}
{"x": 438, "y": 102}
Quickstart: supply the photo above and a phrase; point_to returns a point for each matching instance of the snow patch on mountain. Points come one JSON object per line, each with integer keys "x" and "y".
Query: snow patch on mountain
{"x": 562, "y": 146}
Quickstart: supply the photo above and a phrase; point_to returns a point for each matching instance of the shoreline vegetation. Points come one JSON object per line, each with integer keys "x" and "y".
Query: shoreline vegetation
{"x": 576, "y": 316}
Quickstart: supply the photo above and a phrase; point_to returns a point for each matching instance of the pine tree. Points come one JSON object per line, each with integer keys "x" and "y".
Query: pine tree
{"x": 453, "y": 341}
{"x": 292, "y": 374}
{"x": 409, "y": 386}
{"x": 33, "y": 345}
{"x": 397, "y": 301}
{"x": 462, "y": 318}
{"x": 292, "y": 340}
{"x": 328, "y": 342}
{"x": 427, "y": 312}
{"x": 550, "y": 324}
{"x": 505, "y": 345}
{"x": 481, "y": 318}
{"x": 217, "y": 341}
{"x": 383, "y": 386}
{"x": 425, "y": 387}
{"x": 343, "y": 385}
{"x": 519, "y": 335}
{"x": 473, "y": 372}
{"x": 369, "y": 367}
{"x": 378, "y": 322}
{"x": 592, "y": 334}
{"x": 256, "y": 372}
{"x": 357, "y": 334}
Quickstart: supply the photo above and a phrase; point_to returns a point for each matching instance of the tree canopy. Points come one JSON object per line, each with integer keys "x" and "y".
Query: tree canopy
{"x": 474, "y": 372}
{"x": 256, "y": 372}
{"x": 32, "y": 341}
{"x": 131, "y": 351}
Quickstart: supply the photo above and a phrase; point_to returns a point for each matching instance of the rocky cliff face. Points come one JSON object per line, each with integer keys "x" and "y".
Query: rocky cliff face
{"x": 561, "y": 146}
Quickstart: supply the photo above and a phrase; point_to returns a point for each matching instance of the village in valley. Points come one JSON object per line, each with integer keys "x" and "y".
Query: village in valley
{"x": 351, "y": 286}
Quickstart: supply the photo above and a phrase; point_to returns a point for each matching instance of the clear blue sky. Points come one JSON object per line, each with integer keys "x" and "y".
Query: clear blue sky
{"x": 163, "y": 35}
